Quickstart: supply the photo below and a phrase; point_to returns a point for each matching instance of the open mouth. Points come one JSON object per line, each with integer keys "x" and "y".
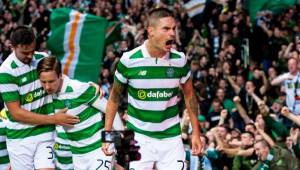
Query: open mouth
{"x": 170, "y": 42}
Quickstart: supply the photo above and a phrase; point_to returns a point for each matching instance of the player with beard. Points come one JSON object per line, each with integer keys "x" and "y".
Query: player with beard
{"x": 31, "y": 118}
{"x": 153, "y": 73}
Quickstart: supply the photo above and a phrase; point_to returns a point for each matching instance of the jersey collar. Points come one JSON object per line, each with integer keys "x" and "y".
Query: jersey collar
{"x": 146, "y": 53}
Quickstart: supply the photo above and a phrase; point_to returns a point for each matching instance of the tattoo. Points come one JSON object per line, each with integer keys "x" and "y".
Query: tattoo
{"x": 117, "y": 92}
{"x": 193, "y": 104}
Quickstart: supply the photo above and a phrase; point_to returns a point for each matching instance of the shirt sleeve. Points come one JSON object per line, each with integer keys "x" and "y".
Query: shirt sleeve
{"x": 89, "y": 95}
{"x": 8, "y": 87}
{"x": 186, "y": 74}
{"x": 121, "y": 74}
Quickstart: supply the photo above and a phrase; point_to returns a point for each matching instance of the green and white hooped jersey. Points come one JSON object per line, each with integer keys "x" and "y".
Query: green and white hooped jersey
{"x": 4, "y": 159}
{"x": 63, "y": 154}
{"x": 153, "y": 85}
{"x": 78, "y": 98}
{"x": 19, "y": 82}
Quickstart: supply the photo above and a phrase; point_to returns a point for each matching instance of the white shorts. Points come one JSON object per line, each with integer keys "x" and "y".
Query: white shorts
{"x": 167, "y": 153}
{"x": 30, "y": 155}
{"x": 94, "y": 160}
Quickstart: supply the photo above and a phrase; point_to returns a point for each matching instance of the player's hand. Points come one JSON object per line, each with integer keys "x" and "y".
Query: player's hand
{"x": 236, "y": 99}
{"x": 63, "y": 119}
{"x": 196, "y": 144}
{"x": 224, "y": 113}
{"x": 98, "y": 89}
{"x": 285, "y": 111}
{"x": 107, "y": 149}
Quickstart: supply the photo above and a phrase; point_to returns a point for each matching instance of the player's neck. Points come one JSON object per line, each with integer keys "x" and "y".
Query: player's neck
{"x": 154, "y": 51}
{"x": 61, "y": 81}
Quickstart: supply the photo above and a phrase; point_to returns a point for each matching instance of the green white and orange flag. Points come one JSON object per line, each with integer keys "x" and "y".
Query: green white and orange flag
{"x": 78, "y": 41}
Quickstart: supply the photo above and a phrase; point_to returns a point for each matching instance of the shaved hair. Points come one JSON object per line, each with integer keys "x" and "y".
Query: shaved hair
{"x": 157, "y": 14}
{"x": 263, "y": 143}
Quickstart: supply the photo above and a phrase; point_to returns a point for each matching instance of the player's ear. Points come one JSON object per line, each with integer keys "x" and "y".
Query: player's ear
{"x": 150, "y": 31}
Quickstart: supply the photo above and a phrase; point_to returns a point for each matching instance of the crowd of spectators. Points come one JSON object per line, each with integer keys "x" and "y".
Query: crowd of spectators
{"x": 244, "y": 72}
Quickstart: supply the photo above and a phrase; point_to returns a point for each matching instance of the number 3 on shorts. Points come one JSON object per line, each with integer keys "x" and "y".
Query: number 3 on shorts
{"x": 51, "y": 152}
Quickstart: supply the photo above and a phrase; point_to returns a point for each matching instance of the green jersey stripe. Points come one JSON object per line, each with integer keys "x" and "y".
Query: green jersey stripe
{"x": 152, "y": 105}
{"x": 2, "y": 145}
{"x": 163, "y": 94}
{"x": 88, "y": 148}
{"x": 170, "y": 132}
{"x": 7, "y": 78}
{"x": 62, "y": 135}
{"x": 10, "y": 96}
{"x": 122, "y": 69}
{"x": 22, "y": 133}
{"x": 152, "y": 116}
{"x": 85, "y": 133}
{"x": 64, "y": 160}
{"x": 4, "y": 160}
{"x": 87, "y": 113}
{"x": 27, "y": 78}
{"x": 32, "y": 96}
{"x": 154, "y": 72}
{"x": 72, "y": 103}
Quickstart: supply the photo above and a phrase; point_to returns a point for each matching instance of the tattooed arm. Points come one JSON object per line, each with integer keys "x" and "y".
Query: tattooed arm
{"x": 112, "y": 104}
{"x": 111, "y": 110}
{"x": 192, "y": 108}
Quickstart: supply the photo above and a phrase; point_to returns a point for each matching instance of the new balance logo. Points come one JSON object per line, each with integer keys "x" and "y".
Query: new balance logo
{"x": 24, "y": 79}
{"x": 142, "y": 73}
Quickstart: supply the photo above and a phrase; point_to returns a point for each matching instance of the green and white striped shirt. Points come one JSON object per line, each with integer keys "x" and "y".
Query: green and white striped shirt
{"x": 19, "y": 82}
{"x": 4, "y": 159}
{"x": 153, "y": 86}
{"x": 78, "y": 97}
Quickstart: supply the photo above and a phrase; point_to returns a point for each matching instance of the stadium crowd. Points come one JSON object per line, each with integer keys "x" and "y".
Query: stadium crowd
{"x": 245, "y": 73}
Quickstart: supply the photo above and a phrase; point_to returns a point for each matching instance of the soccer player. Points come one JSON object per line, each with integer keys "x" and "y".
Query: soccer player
{"x": 82, "y": 100}
{"x": 153, "y": 73}
{"x": 30, "y": 125}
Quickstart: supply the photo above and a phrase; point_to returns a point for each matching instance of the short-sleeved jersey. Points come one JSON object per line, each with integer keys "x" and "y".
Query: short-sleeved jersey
{"x": 19, "y": 82}
{"x": 78, "y": 97}
{"x": 153, "y": 86}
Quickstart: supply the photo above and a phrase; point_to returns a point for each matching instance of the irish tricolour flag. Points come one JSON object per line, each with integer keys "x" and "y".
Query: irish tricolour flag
{"x": 78, "y": 41}
{"x": 194, "y": 7}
